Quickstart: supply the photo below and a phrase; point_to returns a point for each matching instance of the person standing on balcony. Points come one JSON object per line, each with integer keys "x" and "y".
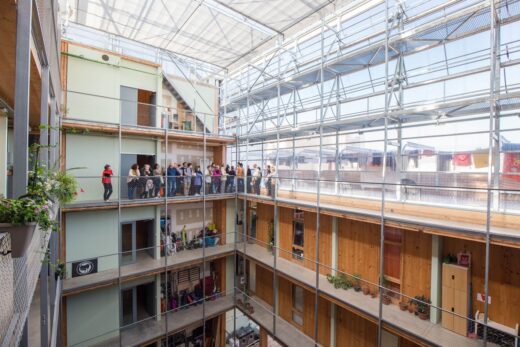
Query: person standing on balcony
{"x": 207, "y": 179}
{"x": 231, "y": 179}
{"x": 240, "y": 177}
{"x": 257, "y": 179}
{"x": 216, "y": 179}
{"x": 188, "y": 174}
{"x": 107, "y": 182}
{"x": 147, "y": 182}
{"x": 132, "y": 180}
{"x": 157, "y": 179}
{"x": 248, "y": 179}
{"x": 197, "y": 181}
{"x": 182, "y": 174}
{"x": 171, "y": 179}
{"x": 224, "y": 171}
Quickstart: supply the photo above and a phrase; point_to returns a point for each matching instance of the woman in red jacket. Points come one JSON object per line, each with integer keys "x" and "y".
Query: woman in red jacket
{"x": 107, "y": 182}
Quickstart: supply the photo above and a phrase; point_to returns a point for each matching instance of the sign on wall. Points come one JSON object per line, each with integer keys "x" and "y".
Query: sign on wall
{"x": 84, "y": 267}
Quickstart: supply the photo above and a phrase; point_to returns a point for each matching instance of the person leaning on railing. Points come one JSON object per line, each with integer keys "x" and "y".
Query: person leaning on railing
{"x": 107, "y": 182}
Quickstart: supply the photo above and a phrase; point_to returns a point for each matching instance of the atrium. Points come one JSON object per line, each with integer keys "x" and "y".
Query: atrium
{"x": 232, "y": 173}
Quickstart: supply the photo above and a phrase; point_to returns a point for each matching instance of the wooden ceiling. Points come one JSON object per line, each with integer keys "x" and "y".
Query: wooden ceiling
{"x": 8, "y": 62}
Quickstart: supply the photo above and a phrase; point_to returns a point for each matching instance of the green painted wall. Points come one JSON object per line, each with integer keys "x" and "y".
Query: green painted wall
{"x": 138, "y": 146}
{"x": 88, "y": 74}
{"x": 92, "y": 234}
{"x": 91, "y": 153}
{"x": 93, "y": 316}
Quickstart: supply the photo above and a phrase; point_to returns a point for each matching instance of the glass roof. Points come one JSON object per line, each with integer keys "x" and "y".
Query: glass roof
{"x": 220, "y": 32}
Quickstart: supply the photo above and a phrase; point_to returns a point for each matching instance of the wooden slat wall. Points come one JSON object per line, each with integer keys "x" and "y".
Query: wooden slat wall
{"x": 264, "y": 215}
{"x": 286, "y": 231}
{"x": 219, "y": 218}
{"x": 406, "y": 343}
{"x": 504, "y": 278}
{"x": 416, "y": 269}
{"x": 219, "y": 155}
{"x": 353, "y": 330}
{"x": 264, "y": 284}
{"x": 358, "y": 248}
{"x": 472, "y": 217}
{"x": 285, "y": 311}
{"x": 325, "y": 242}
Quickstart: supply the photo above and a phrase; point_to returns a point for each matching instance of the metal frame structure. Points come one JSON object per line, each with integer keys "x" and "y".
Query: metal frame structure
{"x": 272, "y": 96}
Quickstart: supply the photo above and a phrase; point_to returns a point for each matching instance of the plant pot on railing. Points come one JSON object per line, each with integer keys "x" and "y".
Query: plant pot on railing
{"x": 21, "y": 237}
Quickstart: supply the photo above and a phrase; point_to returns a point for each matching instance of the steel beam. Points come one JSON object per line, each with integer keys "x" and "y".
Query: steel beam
{"x": 44, "y": 117}
{"x": 21, "y": 97}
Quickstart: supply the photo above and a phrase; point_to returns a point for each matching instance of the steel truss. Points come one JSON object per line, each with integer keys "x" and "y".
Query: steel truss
{"x": 269, "y": 98}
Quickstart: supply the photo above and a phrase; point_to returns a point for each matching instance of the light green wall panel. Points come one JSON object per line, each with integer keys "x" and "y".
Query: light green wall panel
{"x": 139, "y": 76}
{"x": 88, "y": 74}
{"x": 138, "y": 146}
{"x": 92, "y": 235}
{"x": 93, "y": 316}
{"x": 137, "y": 213}
{"x": 92, "y": 77}
{"x": 230, "y": 220}
{"x": 91, "y": 153}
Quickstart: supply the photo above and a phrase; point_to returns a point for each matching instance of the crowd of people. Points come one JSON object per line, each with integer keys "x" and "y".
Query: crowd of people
{"x": 184, "y": 179}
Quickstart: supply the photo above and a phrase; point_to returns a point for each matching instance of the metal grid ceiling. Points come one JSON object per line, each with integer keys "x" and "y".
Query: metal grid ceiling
{"x": 220, "y": 32}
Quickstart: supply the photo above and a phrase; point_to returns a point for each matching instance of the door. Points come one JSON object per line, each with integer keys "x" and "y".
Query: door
{"x": 128, "y": 306}
{"x": 127, "y": 160}
{"x": 128, "y": 243}
{"x": 128, "y": 105}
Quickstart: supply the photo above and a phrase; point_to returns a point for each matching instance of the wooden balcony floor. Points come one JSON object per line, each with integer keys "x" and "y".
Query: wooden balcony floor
{"x": 357, "y": 302}
{"x": 144, "y": 266}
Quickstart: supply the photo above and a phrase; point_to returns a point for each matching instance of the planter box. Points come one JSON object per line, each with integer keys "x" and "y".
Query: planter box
{"x": 21, "y": 237}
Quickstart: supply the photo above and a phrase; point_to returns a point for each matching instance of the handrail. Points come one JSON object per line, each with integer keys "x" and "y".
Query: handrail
{"x": 56, "y": 314}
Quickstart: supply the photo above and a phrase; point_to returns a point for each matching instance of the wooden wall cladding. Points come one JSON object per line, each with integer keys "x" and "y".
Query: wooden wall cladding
{"x": 504, "y": 278}
{"x": 219, "y": 155}
{"x": 416, "y": 270}
{"x": 358, "y": 248}
{"x": 353, "y": 330}
{"x": 285, "y": 311}
{"x": 219, "y": 218}
{"x": 310, "y": 224}
{"x": 285, "y": 232}
{"x": 264, "y": 284}
{"x": 264, "y": 215}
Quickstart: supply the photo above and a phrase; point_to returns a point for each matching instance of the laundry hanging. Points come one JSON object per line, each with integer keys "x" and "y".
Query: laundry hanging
{"x": 480, "y": 159}
{"x": 512, "y": 165}
{"x": 462, "y": 159}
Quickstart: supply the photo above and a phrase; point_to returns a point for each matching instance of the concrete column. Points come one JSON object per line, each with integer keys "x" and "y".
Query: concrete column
{"x": 332, "y": 324}
{"x": 158, "y": 296}
{"x": 21, "y": 97}
{"x": 157, "y": 248}
{"x": 334, "y": 254}
{"x": 252, "y": 276}
{"x": 3, "y": 154}
{"x": 436, "y": 278}
{"x": 44, "y": 116}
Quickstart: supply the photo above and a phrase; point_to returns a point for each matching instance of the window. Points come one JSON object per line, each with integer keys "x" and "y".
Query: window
{"x": 297, "y": 304}
{"x": 298, "y": 235}
{"x": 392, "y": 254}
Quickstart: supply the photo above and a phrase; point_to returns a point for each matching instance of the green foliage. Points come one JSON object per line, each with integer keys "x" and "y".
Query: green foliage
{"x": 422, "y": 303}
{"x": 341, "y": 281}
{"x": 270, "y": 235}
{"x": 25, "y": 211}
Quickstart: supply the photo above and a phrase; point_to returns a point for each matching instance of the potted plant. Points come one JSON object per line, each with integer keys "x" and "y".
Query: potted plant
{"x": 403, "y": 305}
{"x": 374, "y": 292}
{"x": 386, "y": 293}
{"x": 357, "y": 282}
{"x": 19, "y": 218}
{"x": 423, "y": 307}
{"x": 411, "y": 306}
{"x": 365, "y": 289}
{"x": 270, "y": 236}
